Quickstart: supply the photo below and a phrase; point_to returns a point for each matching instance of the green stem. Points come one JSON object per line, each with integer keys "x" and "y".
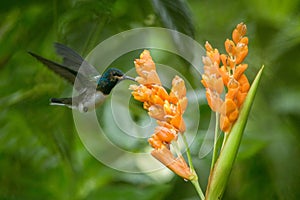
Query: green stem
{"x": 188, "y": 152}
{"x": 224, "y": 139}
{"x": 197, "y": 187}
{"x": 215, "y": 150}
{"x": 195, "y": 178}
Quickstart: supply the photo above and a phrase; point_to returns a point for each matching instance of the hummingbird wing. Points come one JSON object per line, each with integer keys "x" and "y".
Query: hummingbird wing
{"x": 65, "y": 72}
{"x": 74, "y": 61}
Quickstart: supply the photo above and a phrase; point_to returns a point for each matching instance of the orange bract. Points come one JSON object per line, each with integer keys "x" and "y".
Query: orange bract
{"x": 230, "y": 74}
{"x": 166, "y": 108}
{"x": 145, "y": 68}
{"x": 177, "y": 165}
{"x": 162, "y": 106}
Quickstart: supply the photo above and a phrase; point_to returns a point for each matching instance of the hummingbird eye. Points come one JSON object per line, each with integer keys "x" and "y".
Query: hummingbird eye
{"x": 117, "y": 74}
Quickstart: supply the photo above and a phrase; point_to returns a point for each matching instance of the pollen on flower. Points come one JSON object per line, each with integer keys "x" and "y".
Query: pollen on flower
{"x": 229, "y": 73}
{"x": 166, "y": 108}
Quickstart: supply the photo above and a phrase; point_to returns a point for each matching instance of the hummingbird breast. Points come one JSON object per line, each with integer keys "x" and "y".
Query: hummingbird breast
{"x": 91, "y": 101}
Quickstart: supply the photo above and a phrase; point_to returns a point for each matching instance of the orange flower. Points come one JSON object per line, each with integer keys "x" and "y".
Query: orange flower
{"x": 177, "y": 165}
{"x": 166, "y": 108}
{"x": 230, "y": 74}
{"x": 160, "y": 105}
{"x": 145, "y": 68}
{"x": 212, "y": 79}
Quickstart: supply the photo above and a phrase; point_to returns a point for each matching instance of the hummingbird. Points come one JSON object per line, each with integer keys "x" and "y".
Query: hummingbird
{"x": 92, "y": 88}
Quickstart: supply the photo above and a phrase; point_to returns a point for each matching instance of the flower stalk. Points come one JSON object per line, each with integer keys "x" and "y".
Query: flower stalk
{"x": 194, "y": 181}
{"x": 215, "y": 148}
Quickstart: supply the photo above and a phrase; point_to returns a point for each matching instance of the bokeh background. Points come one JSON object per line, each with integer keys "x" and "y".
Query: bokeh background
{"x": 41, "y": 155}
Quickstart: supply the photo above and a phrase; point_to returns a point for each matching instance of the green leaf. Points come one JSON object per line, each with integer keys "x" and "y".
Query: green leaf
{"x": 220, "y": 174}
{"x": 176, "y": 15}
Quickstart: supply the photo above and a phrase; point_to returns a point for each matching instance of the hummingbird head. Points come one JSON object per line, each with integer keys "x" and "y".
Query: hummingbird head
{"x": 110, "y": 79}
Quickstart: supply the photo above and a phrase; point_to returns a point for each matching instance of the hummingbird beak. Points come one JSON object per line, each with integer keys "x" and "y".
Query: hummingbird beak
{"x": 128, "y": 78}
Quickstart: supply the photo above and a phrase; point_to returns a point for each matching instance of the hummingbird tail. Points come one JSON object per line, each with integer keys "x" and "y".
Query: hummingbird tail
{"x": 61, "y": 101}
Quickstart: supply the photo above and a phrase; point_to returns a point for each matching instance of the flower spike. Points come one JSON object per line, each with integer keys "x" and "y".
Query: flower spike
{"x": 230, "y": 74}
{"x": 166, "y": 108}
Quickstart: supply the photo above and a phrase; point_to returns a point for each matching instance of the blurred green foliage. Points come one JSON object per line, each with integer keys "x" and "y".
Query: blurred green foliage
{"x": 41, "y": 155}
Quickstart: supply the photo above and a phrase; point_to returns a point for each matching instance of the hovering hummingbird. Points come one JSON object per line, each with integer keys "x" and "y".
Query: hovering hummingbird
{"x": 92, "y": 88}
